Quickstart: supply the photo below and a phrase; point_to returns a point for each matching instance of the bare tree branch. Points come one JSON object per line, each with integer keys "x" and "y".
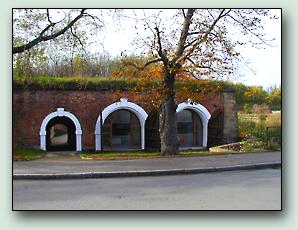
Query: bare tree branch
{"x": 183, "y": 13}
{"x": 160, "y": 51}
{"x": 42, "y": 38}
{"x": 184, "y": 32}
{"x": 146, "y": 64}
{"x": 73, "y": 34}
{"x": 202, "y": 38}
{"x": 48, "y": 17}
{"x": 249, "y": 30}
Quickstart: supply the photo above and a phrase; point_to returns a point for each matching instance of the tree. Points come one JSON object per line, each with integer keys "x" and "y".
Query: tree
{"x": 274, "y": 98}
{"x": 33, "y": 26}
{"x": 47, "y": 41}
{"x": 199, "y": 45}
{"x": 30, "y": 63}
{"x": 255, "y": 95}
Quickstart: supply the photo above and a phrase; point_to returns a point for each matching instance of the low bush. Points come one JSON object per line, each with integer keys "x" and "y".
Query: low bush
{"x": 253, "y": 145}
{"x": 260, "y": 131}
{"x": 273, "y": 145}
{"x": 254, "y": 130}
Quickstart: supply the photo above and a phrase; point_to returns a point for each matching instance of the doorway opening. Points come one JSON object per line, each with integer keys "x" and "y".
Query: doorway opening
{"x": 121, "y": 131}
{"x": 189, "y": 129}
{"x": 60, "y": 134}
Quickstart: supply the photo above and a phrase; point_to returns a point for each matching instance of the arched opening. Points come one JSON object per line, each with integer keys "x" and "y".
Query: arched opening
{"x": 138, "y": 114}
{"x": 189, "y": 129}
{"x": 121, "y": 130}
{"x": 152, "y": 136}
{"x": 215, "y": 128}
{"x": 202, "y": 120}
{"x": 60, "y": 130}
{"x": 60, "y": 134}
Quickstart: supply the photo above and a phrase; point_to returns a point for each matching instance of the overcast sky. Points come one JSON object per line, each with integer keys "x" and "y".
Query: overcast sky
{"x": 266, "y": 63}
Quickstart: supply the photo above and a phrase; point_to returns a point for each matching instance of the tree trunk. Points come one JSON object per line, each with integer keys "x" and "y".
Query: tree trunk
{"x": 167, "y": 119}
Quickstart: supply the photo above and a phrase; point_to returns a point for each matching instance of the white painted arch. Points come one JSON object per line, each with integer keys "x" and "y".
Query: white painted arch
{"x": 203, "y": 114}
{"x": 60, "y": 113}
{"x": 122, "y": 104}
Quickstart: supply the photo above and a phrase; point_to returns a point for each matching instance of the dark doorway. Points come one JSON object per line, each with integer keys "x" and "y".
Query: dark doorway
{"x": 61, "y": 134}
{"x": 215, "y": 128}
{"x": 121, "y": 131}
{"x": 152, "y": 136}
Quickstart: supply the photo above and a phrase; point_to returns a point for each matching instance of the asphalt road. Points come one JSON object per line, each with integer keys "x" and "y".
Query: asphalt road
{"x": 237, "y": 190}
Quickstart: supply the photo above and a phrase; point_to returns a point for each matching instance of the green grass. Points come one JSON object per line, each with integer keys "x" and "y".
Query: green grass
{"x": 111, "y": 155}
{"x": 71, "y": 83}
{"x": 183, "y": 153}
{"x": 31, "y": 154}
{"x": 133, "y": 155}
{"x": 103, "y": 84}
{"x": 27, "y": 154}
{"x": 129, "y": 155}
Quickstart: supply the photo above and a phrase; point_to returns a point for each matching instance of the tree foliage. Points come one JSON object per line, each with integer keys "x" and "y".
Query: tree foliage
{"x": 273, "y": 98}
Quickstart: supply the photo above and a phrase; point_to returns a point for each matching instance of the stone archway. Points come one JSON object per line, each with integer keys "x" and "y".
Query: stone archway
{"x": 70, "y": 117}
{"x": 124, "y": 104}
{"x": 202, "y": 112}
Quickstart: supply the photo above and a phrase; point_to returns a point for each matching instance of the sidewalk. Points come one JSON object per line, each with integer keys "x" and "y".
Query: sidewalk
{"x": 72, "y": 167}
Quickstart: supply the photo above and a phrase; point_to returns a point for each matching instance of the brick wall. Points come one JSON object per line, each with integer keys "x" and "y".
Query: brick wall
{"x": 31, "y": 107}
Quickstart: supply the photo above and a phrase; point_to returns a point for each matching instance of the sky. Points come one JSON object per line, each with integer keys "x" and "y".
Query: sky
{"x": 264, "y": 68}
{"x": 266, "y": 63}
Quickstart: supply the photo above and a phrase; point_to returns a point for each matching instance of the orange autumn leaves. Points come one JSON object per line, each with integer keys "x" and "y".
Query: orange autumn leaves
{"x": 149, "y": 87}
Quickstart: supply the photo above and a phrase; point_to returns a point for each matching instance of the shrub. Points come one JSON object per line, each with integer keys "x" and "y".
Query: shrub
{"x": 247, "y": 108}
{"x": 273, "y": 145}
{"x": 262, "y": 118}
{"x": 249, "y": 129}
{"x": 253, "y": 145}
{"x": 256, "y": 131}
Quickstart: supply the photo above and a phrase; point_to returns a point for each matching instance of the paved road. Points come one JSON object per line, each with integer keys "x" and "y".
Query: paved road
{"x": 258, "y": 189}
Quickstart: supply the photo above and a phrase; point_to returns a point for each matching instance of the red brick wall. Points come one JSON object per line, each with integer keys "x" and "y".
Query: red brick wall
{"x": 31, "y": 107}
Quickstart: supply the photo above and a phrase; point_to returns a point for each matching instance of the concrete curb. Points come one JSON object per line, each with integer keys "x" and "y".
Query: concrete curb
{"x": 86, "y": 175}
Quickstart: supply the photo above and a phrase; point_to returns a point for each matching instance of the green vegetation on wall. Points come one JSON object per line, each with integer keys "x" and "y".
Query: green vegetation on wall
{"x": 249, "y": 98}
{"x": 102, "y": 84}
